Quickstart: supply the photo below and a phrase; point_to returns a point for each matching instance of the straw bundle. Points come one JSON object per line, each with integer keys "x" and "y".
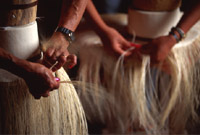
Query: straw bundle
{"x": 130, "y": 94}
{"x": 60, "y": 113}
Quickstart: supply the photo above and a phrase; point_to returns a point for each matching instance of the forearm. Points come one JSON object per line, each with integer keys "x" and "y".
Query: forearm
{"x": 93, "y": 17}
{"x": 71, "y": 13}
{"x": 12, "y": 63}
{"x": 190, "y": 17}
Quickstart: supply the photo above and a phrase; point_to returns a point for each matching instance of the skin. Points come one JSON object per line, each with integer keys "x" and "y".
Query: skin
{"x": 159, "y": 48}
{"x": 112, "y": 40}
{"x": 56, "y": 48}
{"x": 39, "y": 79}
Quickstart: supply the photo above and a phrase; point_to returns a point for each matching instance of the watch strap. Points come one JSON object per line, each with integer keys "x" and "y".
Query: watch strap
{"x": 69, "y": 35}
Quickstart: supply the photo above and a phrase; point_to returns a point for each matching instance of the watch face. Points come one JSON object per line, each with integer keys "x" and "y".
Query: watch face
{"x": 68, "y": 39}
{"x": 71, "y": 35}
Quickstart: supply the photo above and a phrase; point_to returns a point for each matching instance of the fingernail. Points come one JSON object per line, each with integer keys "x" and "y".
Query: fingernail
{"x": 136, "y": 45}
{"x": 70, "y": 66}
{"x": 57, "y": 79}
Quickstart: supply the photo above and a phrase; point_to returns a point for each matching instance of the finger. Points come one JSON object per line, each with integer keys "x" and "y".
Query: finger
{"x": 61, "y": 61}
{"x": 135, "y": 54}
{"x": 46, "y": 94}
{"x": 37, "y": 96}
{"x": 127, "y": 53}
{"x": 126, "y": 44}
{"x": 50, "y": 82}
{"x": 56, "y": 60}
{"x": 55, "y": 84}
{"x": 34, "y": 93}
{"x": 57, "y": 79}
{"x": 49, "y": 52}
{"x": 71, "y": 61}
{"x": 47, "y": 61}
{"x": 120, "y": 51}
{"x": 135, "y": 45}
{"x": 57, "y": 54}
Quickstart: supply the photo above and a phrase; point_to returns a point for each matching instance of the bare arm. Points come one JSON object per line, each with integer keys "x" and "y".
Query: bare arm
{"x": 94, "y": 18}
{"x": 190, "y": 17}
{"x": 72, "y": 12}
{"x": 111, "y": 39}
{"x": 38, "y": 78}
{"x": 159, "y": 48}
{"x": 56, "y": 48}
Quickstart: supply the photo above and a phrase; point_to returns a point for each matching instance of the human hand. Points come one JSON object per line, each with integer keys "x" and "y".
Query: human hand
{"x": 56, "y": 53}
{"x": 114, "y": 42}
{"x": 39, "y": 79}
{"x": 158, "y": 48}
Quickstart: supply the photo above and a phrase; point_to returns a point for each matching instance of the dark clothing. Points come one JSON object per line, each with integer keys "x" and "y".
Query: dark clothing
{"x": 112, "y": 6}
{"x": 48, "y": 14}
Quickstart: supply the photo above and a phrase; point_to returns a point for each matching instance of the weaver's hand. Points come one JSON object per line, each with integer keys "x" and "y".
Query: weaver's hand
{"x": 39, "y": 79}
{"x": 56, "y": 53}
{"x": 158, "y": 48}
{"x": 114, "y": 42}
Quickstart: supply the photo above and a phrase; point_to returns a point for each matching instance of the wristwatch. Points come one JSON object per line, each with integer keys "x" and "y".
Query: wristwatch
{"x": 69, "y": 35}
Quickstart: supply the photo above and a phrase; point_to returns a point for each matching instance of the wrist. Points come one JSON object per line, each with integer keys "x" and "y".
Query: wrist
{"x": 172, "y": 40}
{"x": 59, "y": 39}
{"x": 177, "y": 33}
{"x": 67, "y": 34}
